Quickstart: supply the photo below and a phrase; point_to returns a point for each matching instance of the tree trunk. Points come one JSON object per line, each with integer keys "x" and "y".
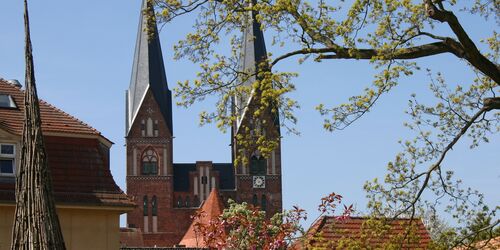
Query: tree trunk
{"x": 36, "y": 225}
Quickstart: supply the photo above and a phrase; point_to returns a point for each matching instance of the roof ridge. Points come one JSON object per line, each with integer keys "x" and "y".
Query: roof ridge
{"x": 9, "y": 83}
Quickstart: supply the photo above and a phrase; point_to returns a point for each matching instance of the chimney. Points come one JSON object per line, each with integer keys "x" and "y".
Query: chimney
{"x": 15, "y": 82}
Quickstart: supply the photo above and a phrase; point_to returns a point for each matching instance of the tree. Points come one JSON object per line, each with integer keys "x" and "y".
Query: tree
{"x": 391, "y": 35}
{"x": 36, "y": 225}
{"x": 242, "y": 226}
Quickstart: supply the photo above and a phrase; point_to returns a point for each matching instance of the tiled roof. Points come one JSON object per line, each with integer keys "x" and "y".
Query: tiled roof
{"x": 131, "y": 237}
{"x": 328, "y": 232}
{"x": 77, "y": 157}
{"x": 211, "y": 209}
{"x": 54, "y": 120}
{"x": 491, "y": 244}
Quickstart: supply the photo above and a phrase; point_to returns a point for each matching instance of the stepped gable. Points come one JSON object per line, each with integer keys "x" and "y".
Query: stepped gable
{"x": 78, "y": 156}
{"x": 211, "y": 209}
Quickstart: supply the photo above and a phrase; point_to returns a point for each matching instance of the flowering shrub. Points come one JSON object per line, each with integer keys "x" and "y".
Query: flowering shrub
{"x": 242, "y": 226}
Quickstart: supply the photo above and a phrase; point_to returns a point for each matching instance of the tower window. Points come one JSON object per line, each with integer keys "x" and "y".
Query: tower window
{"x": 258, "y": 165}
{"x": 255, "y": 200}
{"x": 263, "y": 202}
{"x": 7, "y": 159}
{"x": 196, "y": 201}
{"x": 154, "y": 206}
{"x": 145, "y": 205}
{"x": 149, "y": 127}
{"x": 155, "y": 128}
{"x": 143, "y": 128}
{"x": 179, "y": 201}
{"x": 149, "y": 162}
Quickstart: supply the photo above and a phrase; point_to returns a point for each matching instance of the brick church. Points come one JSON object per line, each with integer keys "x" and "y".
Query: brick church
{"x": 167, "y": 193}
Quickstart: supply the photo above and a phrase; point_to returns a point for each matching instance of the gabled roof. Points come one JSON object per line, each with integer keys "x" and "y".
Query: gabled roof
{"x": 211, "y": 209}
{"x": 54, "y": 120}
{"x": 328, "y": 232}
{"x": 491, "y": 244}
{"x": 79, "y": 164}
{"x": 148, "y": 70}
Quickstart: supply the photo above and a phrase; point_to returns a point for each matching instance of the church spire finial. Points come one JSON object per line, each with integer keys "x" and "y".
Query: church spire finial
{"x": 148, "y": 71}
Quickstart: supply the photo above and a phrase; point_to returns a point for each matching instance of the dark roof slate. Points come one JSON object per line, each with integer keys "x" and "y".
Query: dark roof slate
{"x": 181, "y": 175}
{"x": 148, "y": 70}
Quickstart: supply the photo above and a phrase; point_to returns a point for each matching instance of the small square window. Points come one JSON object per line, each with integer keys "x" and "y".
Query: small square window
{"x": 7, "y": 166}
{"x": 6, "y": 149}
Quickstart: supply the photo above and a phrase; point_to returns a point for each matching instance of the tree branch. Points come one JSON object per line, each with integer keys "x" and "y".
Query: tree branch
{"x": 472, "y": 53}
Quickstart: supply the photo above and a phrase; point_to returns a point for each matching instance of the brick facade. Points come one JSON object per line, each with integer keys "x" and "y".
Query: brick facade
{"x": 168, "y": 194}
{"x": 174, "y": 208}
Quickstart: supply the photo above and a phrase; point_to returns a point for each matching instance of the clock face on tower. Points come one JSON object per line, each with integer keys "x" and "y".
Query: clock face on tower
{"x": 259, "y": 182}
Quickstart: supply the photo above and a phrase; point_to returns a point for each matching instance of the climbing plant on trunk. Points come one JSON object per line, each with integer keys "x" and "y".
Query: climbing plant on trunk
{"x": 36, "y": 225}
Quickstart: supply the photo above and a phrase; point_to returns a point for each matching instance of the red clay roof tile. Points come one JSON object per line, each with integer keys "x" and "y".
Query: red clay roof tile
{"x": 328, "y": 232}
{"x": 211, "y": 209}
{"x": 53, "y": 119}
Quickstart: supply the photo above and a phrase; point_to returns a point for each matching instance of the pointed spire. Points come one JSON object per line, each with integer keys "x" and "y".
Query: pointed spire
{"x": 148, "y": 71}
{"x": 253, "y": 53}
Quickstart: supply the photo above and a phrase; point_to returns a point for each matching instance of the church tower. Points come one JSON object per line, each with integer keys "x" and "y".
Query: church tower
{"x": 149, "y": 131}
{"x": 167, "y": 194}
{"x": 259, "y": 181}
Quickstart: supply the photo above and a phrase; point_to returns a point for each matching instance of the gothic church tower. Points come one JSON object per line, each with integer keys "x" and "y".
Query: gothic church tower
{"x": 167, "y": 194}
{"x": 149, "y": 130}
{"x": 259, "y": 181}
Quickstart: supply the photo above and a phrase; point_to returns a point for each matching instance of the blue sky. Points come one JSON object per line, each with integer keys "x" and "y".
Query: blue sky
{"x": 83, "y": 53}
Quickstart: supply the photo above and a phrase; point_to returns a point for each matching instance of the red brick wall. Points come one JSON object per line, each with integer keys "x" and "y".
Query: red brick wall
{"x": 173, "y": 222}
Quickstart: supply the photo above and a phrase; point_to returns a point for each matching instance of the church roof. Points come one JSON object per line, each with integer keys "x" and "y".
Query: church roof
{"x": 210, "y": 210}
{"x": 148, "y": 70}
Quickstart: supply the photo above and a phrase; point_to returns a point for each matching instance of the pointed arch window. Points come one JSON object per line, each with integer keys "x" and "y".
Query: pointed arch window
{"x": 149, "y": 162}
{"x": 154, "y": 206}
{"x": 258, "y": 165}
{"x": 145, "y": 205}
{"x": 263, "y": 203}
{"x": 255, "y": 200}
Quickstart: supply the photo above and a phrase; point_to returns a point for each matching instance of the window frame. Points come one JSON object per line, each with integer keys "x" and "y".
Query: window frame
{"x": 152, "y": 162}
{"x": 9, "y": 157}
{"x": 12, "y": 104}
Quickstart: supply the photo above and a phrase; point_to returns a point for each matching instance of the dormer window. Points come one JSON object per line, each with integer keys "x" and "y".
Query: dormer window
{"x": 7, "y": 159}
{"x": 6, "y": 101}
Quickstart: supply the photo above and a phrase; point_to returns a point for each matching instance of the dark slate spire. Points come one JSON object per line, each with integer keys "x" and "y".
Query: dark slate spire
{"x": 253, "y": 52}
{"x": 148, "y": 71}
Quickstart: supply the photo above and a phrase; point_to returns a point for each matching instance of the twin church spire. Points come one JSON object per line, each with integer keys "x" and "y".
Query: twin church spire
{"x": 148, "y": 71}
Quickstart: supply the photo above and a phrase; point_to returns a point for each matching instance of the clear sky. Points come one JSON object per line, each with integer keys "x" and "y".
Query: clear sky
{"x": 83, "y": 53}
